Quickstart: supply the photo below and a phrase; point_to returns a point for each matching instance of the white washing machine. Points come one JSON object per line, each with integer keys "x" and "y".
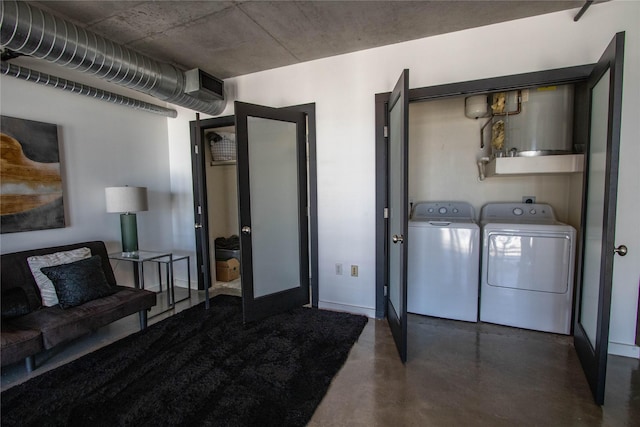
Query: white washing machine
{"x": 527, "y": 267}
{"x": 443, "y": 261}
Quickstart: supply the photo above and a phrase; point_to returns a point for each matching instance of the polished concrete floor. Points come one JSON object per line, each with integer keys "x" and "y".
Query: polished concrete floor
{"x": 457, "y": 374}
{"x": 465, "y": 374}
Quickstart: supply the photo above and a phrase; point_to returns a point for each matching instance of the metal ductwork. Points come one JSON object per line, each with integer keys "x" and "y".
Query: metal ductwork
{"x": 31, "y": 31}
{"x": 29, "y": 75}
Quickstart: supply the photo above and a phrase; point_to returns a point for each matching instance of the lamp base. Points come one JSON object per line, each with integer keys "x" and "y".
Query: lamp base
{"x": 129, "y": 229}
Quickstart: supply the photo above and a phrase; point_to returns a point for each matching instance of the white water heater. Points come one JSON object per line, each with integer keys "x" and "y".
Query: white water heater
{"x": 544, "y": 125}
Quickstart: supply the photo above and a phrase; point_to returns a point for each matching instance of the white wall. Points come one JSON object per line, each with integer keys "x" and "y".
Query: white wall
{"x": 343, "y": 89}
{"x": 101, "y": 145}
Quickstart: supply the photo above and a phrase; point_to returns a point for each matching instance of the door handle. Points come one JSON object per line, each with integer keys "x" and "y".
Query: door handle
{"x": 620, "y": 250}
{"x": 198, "y": 225}
{"x": 246, "y": 229}
{"x": 397, "y": 238}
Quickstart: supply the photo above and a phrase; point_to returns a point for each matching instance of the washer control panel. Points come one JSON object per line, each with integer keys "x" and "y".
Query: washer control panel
{"x": 443, "y": 211}
{"x": 521, "y": 212}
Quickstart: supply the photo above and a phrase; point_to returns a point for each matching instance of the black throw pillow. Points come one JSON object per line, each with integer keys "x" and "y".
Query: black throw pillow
{"x": 15, "y": 303}
{"x": 79, "y": 282}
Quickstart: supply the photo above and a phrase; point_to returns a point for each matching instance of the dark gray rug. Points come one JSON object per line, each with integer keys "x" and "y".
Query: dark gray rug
{"x": 197, "y": 368}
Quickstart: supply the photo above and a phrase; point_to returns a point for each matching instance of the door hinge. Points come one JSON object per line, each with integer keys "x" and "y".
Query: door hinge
{"x": 195, "y": 147}
{"x": 199, "y": 210}
{"x": 386, "y": 132}
{"x": 385, "y": 290}
{"x": 385, "y": 213}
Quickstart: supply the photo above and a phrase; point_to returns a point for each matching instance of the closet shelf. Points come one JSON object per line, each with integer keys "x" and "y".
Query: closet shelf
{"x": 558, "y": 164}
{"x": 223, "y": 162}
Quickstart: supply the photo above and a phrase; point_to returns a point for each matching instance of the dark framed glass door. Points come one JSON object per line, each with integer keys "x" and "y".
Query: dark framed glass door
{"x": 397, "y": 167}
{"x": 201, "y": 224}
{"x": 593, "y": 299}
{"x": 272, "y": 197}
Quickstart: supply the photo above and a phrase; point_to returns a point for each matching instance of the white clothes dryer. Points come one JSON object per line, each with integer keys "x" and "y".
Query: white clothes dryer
{"x": 443, "y": 261}
{"x": 527, "y": 267}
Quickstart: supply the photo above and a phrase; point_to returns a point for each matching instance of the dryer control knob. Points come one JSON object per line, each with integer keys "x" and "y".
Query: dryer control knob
{"x": 517, "y": 211}
{"x": 442, "y": 210}
{"x": 532, "y": 211}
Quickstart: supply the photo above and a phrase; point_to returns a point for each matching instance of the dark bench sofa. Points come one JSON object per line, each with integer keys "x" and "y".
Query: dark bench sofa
{"x": 23, "y": 336}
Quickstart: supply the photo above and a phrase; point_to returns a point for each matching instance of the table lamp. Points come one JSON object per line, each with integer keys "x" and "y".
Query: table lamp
{"x": 126, "y": 200}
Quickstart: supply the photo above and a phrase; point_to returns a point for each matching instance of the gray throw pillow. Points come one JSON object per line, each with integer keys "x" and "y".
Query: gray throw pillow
{"x": 79, "y": 282}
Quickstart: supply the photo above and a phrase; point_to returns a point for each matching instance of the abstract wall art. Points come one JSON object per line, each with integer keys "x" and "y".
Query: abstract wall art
{"x": 30, "y": 177}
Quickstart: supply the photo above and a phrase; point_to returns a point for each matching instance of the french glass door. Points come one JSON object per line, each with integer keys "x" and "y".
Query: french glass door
{"x": 398, "y": 143}
{"x": 591, "y": 329}
{"x": 272, "y": 197}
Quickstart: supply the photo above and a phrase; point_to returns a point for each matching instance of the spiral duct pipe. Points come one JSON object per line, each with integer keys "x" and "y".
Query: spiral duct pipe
{"x": 34, "y": 32}
{"x": 29, "y": 75}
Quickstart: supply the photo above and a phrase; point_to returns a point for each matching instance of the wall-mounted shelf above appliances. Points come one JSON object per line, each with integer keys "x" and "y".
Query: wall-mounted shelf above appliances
{"x": 536, "y": 165}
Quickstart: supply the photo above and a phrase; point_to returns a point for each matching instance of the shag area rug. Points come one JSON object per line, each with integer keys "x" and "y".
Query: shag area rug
{"x": 197, "y": 368}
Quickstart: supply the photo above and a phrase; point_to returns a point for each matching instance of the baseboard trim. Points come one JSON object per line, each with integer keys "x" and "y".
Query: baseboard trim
{"x": 626, "y": 350}
{"x": 369, "y": 312}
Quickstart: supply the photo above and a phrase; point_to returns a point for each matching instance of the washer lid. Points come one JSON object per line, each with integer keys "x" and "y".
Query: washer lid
{"x": 443, "y": 211}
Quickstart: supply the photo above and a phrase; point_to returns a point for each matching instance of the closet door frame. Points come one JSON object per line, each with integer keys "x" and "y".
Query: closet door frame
{"x": 203, "y": 263}
{"x": 560, "y": 76}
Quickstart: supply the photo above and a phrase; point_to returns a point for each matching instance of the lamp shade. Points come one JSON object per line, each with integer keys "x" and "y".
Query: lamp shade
{"x": 126, "y": 199}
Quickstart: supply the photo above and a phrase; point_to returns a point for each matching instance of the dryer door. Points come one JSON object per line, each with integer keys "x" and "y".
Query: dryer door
{"x": 528, "y": 261}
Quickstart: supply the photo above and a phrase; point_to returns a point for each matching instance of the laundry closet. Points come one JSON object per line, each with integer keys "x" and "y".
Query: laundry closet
{"x": 521, "y": 146}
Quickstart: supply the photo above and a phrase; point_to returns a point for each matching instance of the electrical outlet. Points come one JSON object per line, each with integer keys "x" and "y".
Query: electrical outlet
{"x": 528, "y": 199}
{"x": 339, "y": 269}
{"x": 354, "y": 271}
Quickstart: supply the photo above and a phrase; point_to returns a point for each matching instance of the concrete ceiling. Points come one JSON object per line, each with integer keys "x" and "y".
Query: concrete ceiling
{"x": 232, "y": 38}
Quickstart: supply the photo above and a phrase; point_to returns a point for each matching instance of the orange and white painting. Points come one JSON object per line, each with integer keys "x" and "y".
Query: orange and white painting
{"x": 30, "y": 178}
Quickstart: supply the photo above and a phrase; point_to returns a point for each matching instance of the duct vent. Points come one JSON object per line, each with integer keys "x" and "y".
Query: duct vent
{"x": 203, "y": 86}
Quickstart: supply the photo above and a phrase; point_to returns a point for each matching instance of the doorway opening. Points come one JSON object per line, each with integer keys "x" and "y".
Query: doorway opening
{"x": 443, "y": 147}
{"x": 601, "y": 83}
{"x": 216, "y": 201}
{"x": 222, "y": 214}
